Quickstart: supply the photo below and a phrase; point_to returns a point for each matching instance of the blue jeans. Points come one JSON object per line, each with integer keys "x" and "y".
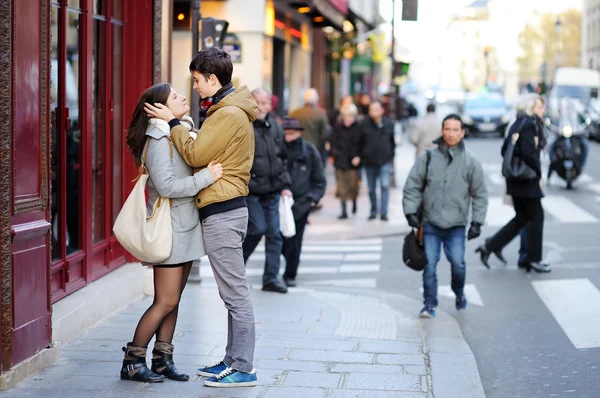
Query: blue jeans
{"x": 453, "y": 240}
{"x": 383, "y": 173}
{"x": 263, "y": 219}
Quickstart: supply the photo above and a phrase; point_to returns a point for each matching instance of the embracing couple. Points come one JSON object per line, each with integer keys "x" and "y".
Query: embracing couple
{"x": 208, "y": 171}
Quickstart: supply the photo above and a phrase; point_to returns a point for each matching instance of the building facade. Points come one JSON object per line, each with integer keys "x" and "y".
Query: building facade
{"x": 590, "y": 34}
{"x": 287, "y": 46}
{"x": 72, "y": 72}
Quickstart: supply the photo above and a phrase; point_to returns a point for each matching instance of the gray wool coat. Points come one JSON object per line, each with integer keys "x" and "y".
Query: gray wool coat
{"x": 172, "y": 178}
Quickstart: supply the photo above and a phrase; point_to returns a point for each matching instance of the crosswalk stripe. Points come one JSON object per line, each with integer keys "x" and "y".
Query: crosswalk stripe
{"x": 560, "y": 208}
{"x": 573, "y": 303}
{"x": 496, "y": 178}
{"x": 594, "y": 187}
{"x": 362, "y": 257}
{"x": 305, "y": 257}
{"x": 333, "y": 248}
{"x": 566, "y": 211}
{"x": 498, "y": 213}
{"x": 470, "y": 291}
{"x": 373, "y": 241}
{"x": 369, "y": 283}
{"x": 350, "y": 268}
{"x": 206, "y": 271}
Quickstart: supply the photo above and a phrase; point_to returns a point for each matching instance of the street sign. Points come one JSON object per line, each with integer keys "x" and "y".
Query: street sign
{"x": 233, "y": 46}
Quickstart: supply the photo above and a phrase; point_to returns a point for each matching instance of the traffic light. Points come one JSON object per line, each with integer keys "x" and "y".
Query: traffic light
{"x": 401, "y": 68}
{"x": 213, "y": 32}
{"x": 409, "y": 10}
{"x": 182, "y": 15}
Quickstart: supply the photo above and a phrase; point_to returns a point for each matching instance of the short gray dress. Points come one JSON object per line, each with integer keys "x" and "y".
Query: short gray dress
{"x": 172, "y": 178}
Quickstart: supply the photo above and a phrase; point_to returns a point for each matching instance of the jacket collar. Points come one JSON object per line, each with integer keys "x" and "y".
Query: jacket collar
{"x": 263, "y": 123}
{"x": 297, "y": 148}
{"x": 158, "y": 128}
{"x": 445, "y": 150}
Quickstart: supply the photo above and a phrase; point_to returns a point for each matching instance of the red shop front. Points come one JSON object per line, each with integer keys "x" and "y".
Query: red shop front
{"x": 71, "y": 72}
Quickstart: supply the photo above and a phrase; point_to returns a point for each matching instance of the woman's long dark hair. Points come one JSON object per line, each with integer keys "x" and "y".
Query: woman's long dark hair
{"x": 136, "y": 130}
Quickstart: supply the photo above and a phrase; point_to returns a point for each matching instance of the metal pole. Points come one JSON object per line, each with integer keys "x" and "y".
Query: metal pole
{"x": 195, "y": 103}
{"x": 195, "y": 107}
{"x": 394, "y": 91}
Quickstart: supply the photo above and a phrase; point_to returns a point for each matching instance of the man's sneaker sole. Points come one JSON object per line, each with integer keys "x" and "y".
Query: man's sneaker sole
{"x": 229, "y": 385}
{"x": 206, "y": 374}
{"x": 426, "y": 315}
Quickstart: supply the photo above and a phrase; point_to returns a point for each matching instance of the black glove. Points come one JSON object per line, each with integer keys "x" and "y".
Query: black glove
{"x": 413, "y": 220}
{"x": 474, "y": 231}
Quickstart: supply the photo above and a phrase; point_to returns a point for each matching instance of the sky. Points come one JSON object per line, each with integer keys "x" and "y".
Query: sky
{"x": 435, "y": 14}
{"x": 419, "y": 41}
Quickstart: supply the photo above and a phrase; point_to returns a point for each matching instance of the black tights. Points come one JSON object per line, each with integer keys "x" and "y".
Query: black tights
{"x": 161, "y": 317}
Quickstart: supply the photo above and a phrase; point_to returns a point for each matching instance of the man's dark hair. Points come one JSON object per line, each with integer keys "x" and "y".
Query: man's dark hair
{"x": 430, "y": 108}
{"x": 453, "y": 116}
{"x": 213, "y": 61}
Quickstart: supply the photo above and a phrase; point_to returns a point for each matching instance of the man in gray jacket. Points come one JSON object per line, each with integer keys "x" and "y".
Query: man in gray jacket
{"x": 441, "y": 186}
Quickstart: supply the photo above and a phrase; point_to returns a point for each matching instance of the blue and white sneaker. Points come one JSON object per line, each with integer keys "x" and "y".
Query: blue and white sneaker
{"x": 427, "y": 312}
{"x": 232, "y": 378}
{"x": 212, "y": 370}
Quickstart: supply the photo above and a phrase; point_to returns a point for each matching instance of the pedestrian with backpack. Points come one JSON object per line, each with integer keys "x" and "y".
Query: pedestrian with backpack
{"x": 444, "y": 189}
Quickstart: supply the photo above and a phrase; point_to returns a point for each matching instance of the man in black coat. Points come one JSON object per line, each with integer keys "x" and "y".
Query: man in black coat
{"x": 269, "y": 179}
{"x": 378, "y": 147}
{"x": 308, "y": 187}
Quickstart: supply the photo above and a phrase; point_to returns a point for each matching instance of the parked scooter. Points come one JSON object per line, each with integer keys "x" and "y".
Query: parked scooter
{"x": 568, "y": 152}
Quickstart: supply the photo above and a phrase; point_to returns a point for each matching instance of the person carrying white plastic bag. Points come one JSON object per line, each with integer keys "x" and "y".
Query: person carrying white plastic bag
{"x": 305, "y": 166}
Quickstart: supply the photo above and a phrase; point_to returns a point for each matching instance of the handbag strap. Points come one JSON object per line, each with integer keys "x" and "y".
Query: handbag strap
{"x": 515, "y": 136}
{"x": 426, "y": 170}
{"x": 144, "y": 170}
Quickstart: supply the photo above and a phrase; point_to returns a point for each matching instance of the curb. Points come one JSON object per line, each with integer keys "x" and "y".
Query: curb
{"x": 453, "y": 370}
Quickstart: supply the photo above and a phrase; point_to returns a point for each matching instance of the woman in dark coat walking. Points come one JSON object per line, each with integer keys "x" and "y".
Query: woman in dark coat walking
{"x": 345, "y": 148}
{"x": 526, "y": 194}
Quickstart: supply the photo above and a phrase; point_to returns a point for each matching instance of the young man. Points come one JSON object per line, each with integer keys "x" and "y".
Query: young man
{"x": 226, "y": 136}
{"x": 268, "y": 182}
{"x": 378, "y": 146}
{"x": 308, "y": 187}
{"x": 445, "y": 181}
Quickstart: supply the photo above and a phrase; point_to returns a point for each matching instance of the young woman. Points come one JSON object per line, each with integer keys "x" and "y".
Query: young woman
{"x": 526, "y": 194}
{"x": 170, "y": 178}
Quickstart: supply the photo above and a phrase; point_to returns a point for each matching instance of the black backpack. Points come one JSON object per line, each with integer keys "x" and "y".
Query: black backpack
{"x": 413, "y": 251}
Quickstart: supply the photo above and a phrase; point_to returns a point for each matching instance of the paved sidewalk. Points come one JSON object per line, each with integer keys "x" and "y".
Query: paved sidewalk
{"x": 324, "y": 222}
{"x": 323, "y": 341}
{"x": 310, "y": 343}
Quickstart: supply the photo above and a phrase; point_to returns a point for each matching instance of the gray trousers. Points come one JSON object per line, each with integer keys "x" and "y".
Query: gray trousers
{"x": 223, "y": 237}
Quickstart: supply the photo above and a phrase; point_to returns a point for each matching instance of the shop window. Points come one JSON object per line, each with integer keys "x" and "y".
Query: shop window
{"x": 84, "y": 183}
{"x": 65, "y": 132}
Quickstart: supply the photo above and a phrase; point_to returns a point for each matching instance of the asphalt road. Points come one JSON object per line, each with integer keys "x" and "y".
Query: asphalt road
{"x": 533, "y": 335}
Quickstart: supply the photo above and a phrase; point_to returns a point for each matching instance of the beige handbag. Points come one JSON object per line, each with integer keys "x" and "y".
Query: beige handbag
{"x": 148, "y": 238}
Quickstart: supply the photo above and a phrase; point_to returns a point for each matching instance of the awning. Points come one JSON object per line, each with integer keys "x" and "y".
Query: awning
{"x": 334, "y": 10}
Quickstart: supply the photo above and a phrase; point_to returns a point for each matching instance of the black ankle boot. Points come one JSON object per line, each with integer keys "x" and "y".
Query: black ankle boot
{"x": 135, "y": 368}
{"x": 162, "y": 362}
{"x": 497, "y": 253}
{"x": 485, "y": 255}
{"x": 354, "y": 206}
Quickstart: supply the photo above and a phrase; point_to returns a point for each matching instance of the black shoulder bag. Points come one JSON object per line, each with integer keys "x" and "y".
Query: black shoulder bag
{"x": 513, "y": 167}
{"x": 413, "y": 251}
